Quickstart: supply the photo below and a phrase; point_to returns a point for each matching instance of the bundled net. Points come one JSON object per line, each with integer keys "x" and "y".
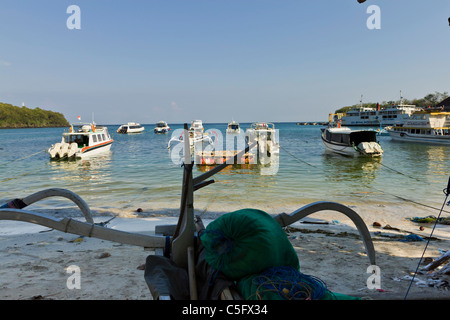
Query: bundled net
{"x": 247, "y": 242}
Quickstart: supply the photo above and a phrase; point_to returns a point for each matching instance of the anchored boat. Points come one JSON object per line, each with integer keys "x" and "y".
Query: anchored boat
{"x": 130, "y": 127}
{"x": 432, "y": 126}
{"x": 233, "y": 127}
{"x": 161, "y": 127}
{"x": 345, "y": 141}
{"x": 83, "y": 139}
{"x": 265, "y": 134}
{"x": 196, "y": 135}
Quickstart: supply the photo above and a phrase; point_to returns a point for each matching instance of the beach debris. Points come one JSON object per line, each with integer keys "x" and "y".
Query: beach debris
{"x": 104, "y": 255}
{"x": 412, "y": 237}
{"x": 437, "y": 263}
{"x": 141, "y": 267}
{"x": 430, "y": 282}
{"x": 431, "y": 219}
{"x": 376, "y": 224}
{"x": 77, "y": 240}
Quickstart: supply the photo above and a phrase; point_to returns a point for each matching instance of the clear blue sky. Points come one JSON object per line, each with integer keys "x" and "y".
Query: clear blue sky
{"x": 218, "y": 60}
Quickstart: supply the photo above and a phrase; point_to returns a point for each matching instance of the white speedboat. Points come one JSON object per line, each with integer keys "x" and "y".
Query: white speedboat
{"x": 161, "y": 127}
{"x": 265, "y": 134}
{"x": 196, "y": 135}
{"x": 82, "y": 139}
{"x": 429, "y": 126}
{"x": 130, "y": 127}
{"x": 233, "y": 127}
{"x": 345, "y": 141}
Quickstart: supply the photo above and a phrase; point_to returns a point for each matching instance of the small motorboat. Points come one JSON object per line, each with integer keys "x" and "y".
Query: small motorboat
{"x": 233, "y": 127}
{"x": 345, "y": 141}
{"x": 161, "y": 127}
{"x": 130, "y": 127}
{"x": 82, "y": 139}
{"x": 196, "y": 135}
{"x": 266, "y": 135}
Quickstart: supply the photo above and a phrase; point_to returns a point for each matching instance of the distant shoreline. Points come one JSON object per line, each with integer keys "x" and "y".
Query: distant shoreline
{"x": 32, "y": 127}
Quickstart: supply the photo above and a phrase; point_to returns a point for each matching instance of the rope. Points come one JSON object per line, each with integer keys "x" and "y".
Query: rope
{"x": 3, "y": 164}
{"x": 446, "y": 192}
{"x": 289, "y": 284}
{"x": 382, "y": 191}
{"x": 27, "y": 173}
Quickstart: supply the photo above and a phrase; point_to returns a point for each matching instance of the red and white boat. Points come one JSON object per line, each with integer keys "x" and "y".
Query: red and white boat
{"x": 82, "y": 140}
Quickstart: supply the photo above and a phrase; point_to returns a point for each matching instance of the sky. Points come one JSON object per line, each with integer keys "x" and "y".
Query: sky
{"x": 219, "y": 60}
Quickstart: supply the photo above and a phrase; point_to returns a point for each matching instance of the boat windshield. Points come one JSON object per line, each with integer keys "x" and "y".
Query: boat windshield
{"x": 363, "y": 136}
{"x": 81, "y": 140}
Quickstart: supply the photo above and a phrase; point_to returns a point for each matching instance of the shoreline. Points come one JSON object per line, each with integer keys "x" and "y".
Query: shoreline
{"x": 34, "y": 260}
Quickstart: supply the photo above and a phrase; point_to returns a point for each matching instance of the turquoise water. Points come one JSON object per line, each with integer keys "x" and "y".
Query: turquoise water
{"x": 138, "y": 173}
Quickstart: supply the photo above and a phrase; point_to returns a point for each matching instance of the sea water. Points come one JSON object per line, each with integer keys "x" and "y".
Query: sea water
{"x": 138, "y": 172}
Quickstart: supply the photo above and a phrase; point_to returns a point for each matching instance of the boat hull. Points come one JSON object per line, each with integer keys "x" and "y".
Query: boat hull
{"x": 94, "y": 150}
{"x": 352, "y": 143}
{"x": 421, "y": 138}
{"x": 340, "y": 148}
{"x": 162, "y": 130}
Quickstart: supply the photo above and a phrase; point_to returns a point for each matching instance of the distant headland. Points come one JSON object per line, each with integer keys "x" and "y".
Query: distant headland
{"x": 23, "y": 117}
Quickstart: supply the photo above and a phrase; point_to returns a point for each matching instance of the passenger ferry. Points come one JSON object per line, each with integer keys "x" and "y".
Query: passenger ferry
{"x": 82, "y": 139}
{"x": 374, "y": 117}
{"x": 429, "y": 126}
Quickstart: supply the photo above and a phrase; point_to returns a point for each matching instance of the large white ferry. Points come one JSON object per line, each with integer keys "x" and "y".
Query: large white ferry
{"x": 428, "y": 126}
{"x": 375, "y": 117}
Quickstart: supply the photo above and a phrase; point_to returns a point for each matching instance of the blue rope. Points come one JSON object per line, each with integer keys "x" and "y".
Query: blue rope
{"x": 289, "y": 284}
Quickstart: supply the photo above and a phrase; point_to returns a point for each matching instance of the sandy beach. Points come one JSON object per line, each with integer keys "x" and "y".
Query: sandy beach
{"x": 35, "y": 260}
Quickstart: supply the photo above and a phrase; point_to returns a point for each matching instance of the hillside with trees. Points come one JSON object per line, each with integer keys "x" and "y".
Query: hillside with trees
{"x": 23, "y": 117}
{"x": 432, "y": 99}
